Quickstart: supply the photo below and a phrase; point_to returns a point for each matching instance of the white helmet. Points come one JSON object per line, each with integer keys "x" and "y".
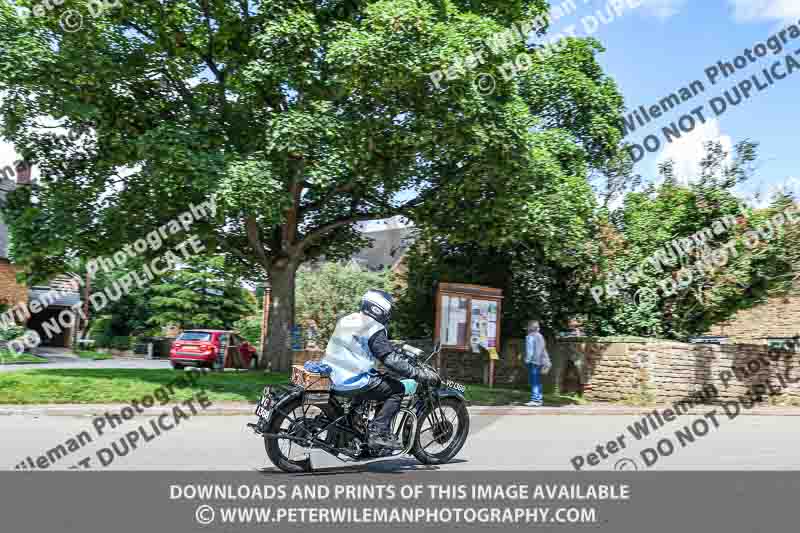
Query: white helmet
{"x": 378, "y": 305}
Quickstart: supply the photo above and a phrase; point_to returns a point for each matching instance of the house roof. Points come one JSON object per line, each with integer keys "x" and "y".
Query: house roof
{"x": 48, "y": 297}
{"x": 386, "y": 249}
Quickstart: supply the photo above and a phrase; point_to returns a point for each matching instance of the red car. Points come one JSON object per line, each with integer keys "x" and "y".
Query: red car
{"x": 201, "y": 347}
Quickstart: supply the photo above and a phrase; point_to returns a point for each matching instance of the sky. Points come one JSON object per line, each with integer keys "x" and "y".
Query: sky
{"x": 657, "y": 48}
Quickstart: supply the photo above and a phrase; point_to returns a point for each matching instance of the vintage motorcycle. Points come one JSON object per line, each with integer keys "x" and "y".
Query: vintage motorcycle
{"x": 432, "y": 424}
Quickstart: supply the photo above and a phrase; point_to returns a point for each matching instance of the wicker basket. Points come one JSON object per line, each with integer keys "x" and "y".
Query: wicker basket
{"x": 310, "y": 381}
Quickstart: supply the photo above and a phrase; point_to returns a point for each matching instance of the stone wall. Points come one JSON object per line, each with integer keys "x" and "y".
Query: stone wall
{"x": 667, "y": 372}
{"x": 642, "y": 369}
{"x": 510, "y": 369}
{"x": 11, "y": 292}
{"x": 778, "y": 317}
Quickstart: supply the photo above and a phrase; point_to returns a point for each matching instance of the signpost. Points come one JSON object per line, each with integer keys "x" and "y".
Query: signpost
{"x": 265, "y": 322}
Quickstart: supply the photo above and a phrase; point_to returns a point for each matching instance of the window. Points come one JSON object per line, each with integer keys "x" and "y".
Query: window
{"x": 454, "y": 321}
{"x": 194, "y": 336}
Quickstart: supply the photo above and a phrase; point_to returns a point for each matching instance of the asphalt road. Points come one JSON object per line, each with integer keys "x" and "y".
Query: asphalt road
{"x": 508, "y": 442}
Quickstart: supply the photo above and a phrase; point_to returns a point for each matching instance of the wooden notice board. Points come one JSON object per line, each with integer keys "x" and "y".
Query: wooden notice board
{"x": 468, "y": 317}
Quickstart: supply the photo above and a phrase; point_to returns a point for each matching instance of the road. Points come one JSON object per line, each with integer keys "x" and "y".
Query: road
{"x": 508, "y": 442}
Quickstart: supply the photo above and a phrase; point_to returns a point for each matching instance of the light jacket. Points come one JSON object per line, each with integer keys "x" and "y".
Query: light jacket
{"x": 348, "y": 352}
{"x": 535, "y": 350}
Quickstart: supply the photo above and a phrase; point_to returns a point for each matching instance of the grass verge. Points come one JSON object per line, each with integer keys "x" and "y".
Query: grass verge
{"x": 484, "y": 395}
{"x": 8, "y": 357}
{"x": 88, "y": 386}
{"x": 95, "y": 356}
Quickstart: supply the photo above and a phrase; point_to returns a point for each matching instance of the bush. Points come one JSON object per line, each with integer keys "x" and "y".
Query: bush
{"x": 102, "y": 341}
{"x": 250, "y": 328}
{"x": 121, "y": 343}
{"x": 101, "y": 332}
{"x": 10, "y": 333}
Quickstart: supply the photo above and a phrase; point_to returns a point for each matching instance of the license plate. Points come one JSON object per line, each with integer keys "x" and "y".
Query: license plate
{"x": 264, "y": 404}
{"x": 456, "y": 386}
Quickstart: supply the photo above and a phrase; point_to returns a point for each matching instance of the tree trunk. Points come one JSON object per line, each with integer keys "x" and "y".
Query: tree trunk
{"x": 278, "y": 354}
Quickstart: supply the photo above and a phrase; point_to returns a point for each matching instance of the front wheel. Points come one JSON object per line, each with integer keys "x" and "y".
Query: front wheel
{"x": 443, "y": 430}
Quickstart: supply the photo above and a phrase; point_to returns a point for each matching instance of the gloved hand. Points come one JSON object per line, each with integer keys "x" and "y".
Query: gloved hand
{"x": 428, "y": 377}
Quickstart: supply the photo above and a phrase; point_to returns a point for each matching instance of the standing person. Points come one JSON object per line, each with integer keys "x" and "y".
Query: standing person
{"x": 537, "y": 360}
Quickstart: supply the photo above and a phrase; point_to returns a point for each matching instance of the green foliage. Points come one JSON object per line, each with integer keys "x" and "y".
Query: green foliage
{"x": 331, "y": 291}
{"x": 305, "y": 118}
{"x": 550, "y": 289}
{"x": 250, "y": 328}
{"x": 200, "y": 294}
{"x": 650, "y": 219}
{"x": 9, "y": 333}
{"x": 121, "y": 343}
{"x": 100, "y": 331}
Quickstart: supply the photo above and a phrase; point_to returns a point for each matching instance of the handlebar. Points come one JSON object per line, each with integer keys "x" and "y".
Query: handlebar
{"x": 413, "y": 355}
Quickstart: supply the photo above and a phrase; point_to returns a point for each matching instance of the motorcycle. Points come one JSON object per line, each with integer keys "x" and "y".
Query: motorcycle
{"x": 432, "y": 424}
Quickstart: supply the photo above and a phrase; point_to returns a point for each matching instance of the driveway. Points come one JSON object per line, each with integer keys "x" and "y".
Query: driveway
{"x": 60, "y": 358}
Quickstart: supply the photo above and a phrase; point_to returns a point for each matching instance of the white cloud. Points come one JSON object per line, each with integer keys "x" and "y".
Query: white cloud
{"x": 761, "y": 193}
{"x": 743, "y": 10}
{"x": 752, "y": 10}
{"x": 689, "y": 150}
{"x": 663, "y": 8}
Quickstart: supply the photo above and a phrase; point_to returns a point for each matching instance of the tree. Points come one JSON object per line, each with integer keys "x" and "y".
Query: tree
{"x": 199, "y": 295}
{"x": 658, "y": 303}
{"x": 534, "y": 286}
{"x": 305, "y": 117}
{"x": 333, "y": 290}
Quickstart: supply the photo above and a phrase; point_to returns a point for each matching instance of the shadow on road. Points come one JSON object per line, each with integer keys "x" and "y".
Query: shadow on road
{"x": 379, "y": 466}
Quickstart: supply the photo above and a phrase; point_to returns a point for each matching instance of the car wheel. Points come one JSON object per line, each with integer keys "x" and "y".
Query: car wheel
{"x": 176, "y": 366}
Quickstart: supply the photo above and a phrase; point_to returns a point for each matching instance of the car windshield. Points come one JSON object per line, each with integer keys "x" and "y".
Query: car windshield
{"x": 195, "y": 336}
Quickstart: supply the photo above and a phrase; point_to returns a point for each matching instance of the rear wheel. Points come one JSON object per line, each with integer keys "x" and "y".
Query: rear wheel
{"x": 176, "y": 366}
{"x": 296, "y": 420}
{"x": 442, "y": 432}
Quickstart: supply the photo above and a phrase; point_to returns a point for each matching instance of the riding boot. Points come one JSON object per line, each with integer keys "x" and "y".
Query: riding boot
{"x": 380, "y": 437}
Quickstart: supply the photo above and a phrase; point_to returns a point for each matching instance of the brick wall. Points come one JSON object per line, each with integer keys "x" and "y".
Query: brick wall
{"x": 778, "y": 317}
{"x": 11, "y": 292}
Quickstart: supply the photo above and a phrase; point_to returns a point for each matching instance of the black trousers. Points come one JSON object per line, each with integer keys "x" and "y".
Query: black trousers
{"x": 388, "y": 390}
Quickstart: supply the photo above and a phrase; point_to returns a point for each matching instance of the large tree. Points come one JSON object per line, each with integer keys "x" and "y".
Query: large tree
{"x": 304, "y": 117}
{"x": 199, "y": 294}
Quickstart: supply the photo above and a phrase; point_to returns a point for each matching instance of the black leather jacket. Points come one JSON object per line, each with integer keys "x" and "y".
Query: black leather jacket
{"x": 385, "y": 352}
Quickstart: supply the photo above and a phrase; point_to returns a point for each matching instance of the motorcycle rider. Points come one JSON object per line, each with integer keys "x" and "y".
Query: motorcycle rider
{"x": 357, "y": 343}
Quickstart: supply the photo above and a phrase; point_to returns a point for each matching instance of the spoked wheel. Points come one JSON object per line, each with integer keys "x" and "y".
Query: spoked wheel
{"x": 442, "y": 432}
{"x": 300, "y": 421}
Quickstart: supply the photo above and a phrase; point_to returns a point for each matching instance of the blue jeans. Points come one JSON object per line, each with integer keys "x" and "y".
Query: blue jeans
{"x": 534, "y": 378}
